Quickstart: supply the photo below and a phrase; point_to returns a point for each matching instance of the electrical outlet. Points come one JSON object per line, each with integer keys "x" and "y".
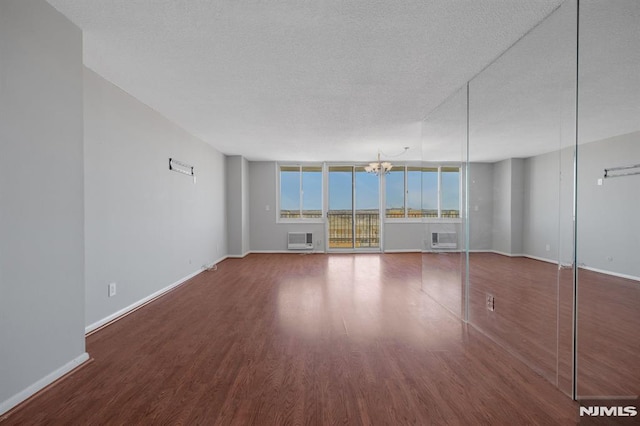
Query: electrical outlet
{"x": 491, "y": 303}
{"x": 112, "y": 289}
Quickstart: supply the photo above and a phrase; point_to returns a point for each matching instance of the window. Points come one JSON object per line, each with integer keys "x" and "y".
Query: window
{"x": 429, "y": 192}
{"x": 420, "y": 192}
{"x": 300, "y": 192}
{"x": 450, "y": 192}
{"x": 394, "y": 182}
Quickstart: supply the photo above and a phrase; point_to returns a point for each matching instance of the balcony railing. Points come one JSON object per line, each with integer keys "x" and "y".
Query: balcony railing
{"x": 367, "y": 229}
{"x": 367, "y": 224}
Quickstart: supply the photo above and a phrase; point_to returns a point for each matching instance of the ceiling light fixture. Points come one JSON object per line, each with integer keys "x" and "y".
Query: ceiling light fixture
{"x": 379, "y": 167}
{"x": 382, "y": 167}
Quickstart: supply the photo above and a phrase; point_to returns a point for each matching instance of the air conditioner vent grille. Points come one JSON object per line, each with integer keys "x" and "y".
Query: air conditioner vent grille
{"x": 299, "y": 240}
{"x": 440, "y": 240}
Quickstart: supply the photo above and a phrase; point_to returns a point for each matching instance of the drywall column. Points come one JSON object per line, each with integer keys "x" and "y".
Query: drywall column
{"x": 517, "y": 205}
{"x": 480, "y": 205}
{"x": 508, "y": 206}
{"x": 237, "y": 169}
{"x": 41, "y": 199}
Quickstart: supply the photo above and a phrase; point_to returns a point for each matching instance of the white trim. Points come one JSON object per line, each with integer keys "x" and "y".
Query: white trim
{"x": 435, "y": 220}
{"x": 129, "y": 309}
{"x": 615, "y": 274}
{"x": 502, "y": 253}
{"x": 401, "y": 219}
{"x": 42, "y": 383}
{"x": 542, "y": 259}
{"x": 287, "y": 251}
{"x": 238, "y": 256}
{"x": 403, "y": 251}
{"x": 290, "y": 220}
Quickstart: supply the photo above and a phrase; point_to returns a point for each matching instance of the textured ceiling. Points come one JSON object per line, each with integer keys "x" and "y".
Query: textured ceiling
{"x": 298, "y": 80}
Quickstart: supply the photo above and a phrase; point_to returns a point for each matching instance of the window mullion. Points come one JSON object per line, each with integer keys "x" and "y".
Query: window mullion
{"x": 439, "y": 191}
{"x": 406, "y": 193}
{"x": 301, "y": 193}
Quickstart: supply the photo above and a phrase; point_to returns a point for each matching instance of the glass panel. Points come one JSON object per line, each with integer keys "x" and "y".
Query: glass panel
{"x": 394, "y": 200}
{"x": 608, "y": 230}
{"x": 289, "y": 192}
{"x": 340, "y": 212}
{"x": 367, "y": 212}
{"x": 521, "y": 142}
{"x": 444, "y": 140}
{"x": 450, "y": 192}
{"x": 430, "y": 190}
{"x": 414, "y": 192}
{"x": 312, "y": 191}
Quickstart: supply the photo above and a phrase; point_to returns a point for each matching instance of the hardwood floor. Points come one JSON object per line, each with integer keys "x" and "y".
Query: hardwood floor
{"x": 533, "y": 317}
{"x": 608, "y": 335}
{"x": 291, "y": 339}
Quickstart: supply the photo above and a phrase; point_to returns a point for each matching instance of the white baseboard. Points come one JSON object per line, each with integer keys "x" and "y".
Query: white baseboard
{"x": 615, "y": 274}
{"x": 555, "y": 262}
{"x": 541, "y": 259}
{"x": 123, "y": 312}
{"x": 238, "y": 256}
{"x": 42, "y": 383}
{"x": 506, "y": 254}
{"x": 501, "y": 253}
{"x": 285, "y": 251}
{"x": 404, "y": 251}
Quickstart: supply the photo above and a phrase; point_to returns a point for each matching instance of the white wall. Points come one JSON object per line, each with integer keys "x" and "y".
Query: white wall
{"x": 404, "y": 236}
{"x": 146, "y": 227}
{"x": 508, "y": 206}
{"x": 541, "y": 221}
{"x": 480, "y": 206}
{"x": 41, "y": 199}
{"x": 501, "y": 225}
{"x": 608, "y": 225}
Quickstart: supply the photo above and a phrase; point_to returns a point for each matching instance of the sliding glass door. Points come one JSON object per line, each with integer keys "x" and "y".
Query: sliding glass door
{"x": 353, "y": 216}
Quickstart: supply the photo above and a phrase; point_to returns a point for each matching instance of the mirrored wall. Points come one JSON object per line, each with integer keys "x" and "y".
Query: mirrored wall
{"x": 547, "y": 248}
{"x": 608, "y": 208}
{"x": 444, "y": 146}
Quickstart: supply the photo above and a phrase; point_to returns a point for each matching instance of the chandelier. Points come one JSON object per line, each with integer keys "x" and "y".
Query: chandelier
{"x": 379, "y": 167}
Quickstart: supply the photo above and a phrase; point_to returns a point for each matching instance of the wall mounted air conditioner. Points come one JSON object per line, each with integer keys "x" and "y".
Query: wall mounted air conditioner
{"x": 442, "y": 240}
{"x": 299, "y": 240}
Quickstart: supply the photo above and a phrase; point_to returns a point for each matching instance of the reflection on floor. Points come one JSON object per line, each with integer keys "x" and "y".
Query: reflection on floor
{"x": 533, "y": 317}
{"x": 290, "y": 339}
{"x": 608, "y": 335}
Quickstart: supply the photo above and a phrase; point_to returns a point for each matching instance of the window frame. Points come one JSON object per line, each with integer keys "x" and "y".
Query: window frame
{"x": 439, "y": 219}
{"x": 300, "y": 167}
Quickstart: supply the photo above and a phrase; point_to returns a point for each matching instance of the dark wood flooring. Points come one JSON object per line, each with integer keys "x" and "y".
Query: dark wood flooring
{"x": 290, "y": 339}
{"x": 533, "y": 317}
